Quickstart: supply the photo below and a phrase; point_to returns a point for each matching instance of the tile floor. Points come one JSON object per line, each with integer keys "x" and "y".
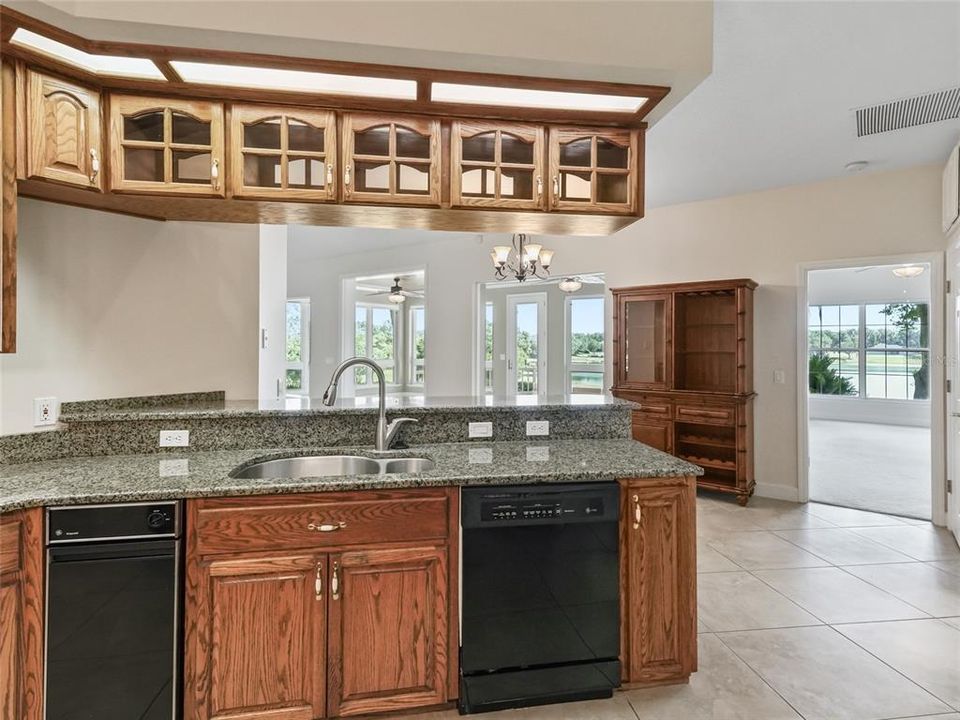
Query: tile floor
{"x": 808, "y": 611}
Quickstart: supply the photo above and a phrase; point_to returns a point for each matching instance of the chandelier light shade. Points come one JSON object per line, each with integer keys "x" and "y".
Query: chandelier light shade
{"x": 521, "y": 260}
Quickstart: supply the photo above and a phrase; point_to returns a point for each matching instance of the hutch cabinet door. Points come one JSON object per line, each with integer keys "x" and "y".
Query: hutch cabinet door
{"x": 659, "y": 560}
{"x": 161, "y": 145}
{"x": 594, "y": 170}
{"x": 643, "y": 342}
{"x": 388, "y": 630}
{"x": 655, "y": 433}
{"x": 64, "y": 142}
{"x": 496, "y": 165}
{"x": 256, "y": 635}
{"x": 283, "y": 153}
{"x": 390, "y": 160}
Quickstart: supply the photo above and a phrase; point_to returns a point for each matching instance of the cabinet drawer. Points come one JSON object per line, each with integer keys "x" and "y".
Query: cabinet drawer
{"x": 319, "y": 523}
{"x": 710, "y": 414}
{"x": 654, "y": 407}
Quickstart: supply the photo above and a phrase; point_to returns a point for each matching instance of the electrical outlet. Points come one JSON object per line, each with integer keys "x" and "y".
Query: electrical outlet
{"x": 174, "y": 468}
{"x": 480, "y": 429}
{"x": 44, "y": 411}
{"x": 174, "y": 438}
{"x": 480, "y": 456}
{"x": 538, "y": 454}
{"x": 538, "y": 427}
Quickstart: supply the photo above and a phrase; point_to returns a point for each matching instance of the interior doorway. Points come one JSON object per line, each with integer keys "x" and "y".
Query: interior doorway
{"x": 871, "y": 359}
{"x": 952, "y": 499}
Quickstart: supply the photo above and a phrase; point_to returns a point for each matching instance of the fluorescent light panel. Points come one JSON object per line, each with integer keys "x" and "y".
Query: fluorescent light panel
{"x": 99, "y": 64}
{"x": 295, "y": 80}
{"x": 522, "y": 97}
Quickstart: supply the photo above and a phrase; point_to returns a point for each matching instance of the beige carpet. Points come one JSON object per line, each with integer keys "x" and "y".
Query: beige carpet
{"x": 884, "y": 468}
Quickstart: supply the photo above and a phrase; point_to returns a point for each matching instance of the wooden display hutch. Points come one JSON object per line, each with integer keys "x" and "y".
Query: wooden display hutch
{"x": 684, "y": 353}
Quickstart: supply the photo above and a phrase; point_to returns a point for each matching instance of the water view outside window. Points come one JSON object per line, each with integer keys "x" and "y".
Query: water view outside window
{"x": 585, "y": 343}
{"x": 870, "y": 350}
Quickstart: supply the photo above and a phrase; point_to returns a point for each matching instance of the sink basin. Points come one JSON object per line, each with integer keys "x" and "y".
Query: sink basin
{"x": 331, "y": 465}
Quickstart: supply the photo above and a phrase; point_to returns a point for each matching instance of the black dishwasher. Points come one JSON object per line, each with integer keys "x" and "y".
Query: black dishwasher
{"x": 113, "y": 612}
{"x": 540, "y": 616}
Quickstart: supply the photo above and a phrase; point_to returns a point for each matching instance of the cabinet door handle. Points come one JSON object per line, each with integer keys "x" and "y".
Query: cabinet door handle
{"x": 637, "y": 512}
{"x": 94, "y": 165}
{"x": 346, "y": 176}
{"x": 318, "y": 583}
{"x": 326, "y": 527}
{"x": 215, "y": 174}
{"x": 539, "y": 187}
{"x": 329, "y": 174}
{"x": 556, "y": 187}
{"x": 335, "y": 582}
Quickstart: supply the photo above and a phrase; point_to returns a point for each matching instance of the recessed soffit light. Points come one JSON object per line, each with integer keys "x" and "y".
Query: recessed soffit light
{"x": 523, "y": 97}
{"x": 116, "y": 65}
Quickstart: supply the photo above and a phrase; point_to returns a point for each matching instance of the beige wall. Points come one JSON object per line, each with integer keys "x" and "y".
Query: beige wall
{"x": 111, "y": 306}
{"x": 763, "y": 235}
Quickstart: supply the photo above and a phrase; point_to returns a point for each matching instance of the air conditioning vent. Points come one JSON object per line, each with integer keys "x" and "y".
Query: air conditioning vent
{"x": 909, "y": 112}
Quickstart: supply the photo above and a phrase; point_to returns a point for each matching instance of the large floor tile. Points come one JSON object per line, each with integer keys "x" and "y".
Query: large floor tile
{"x": 824, "y": 675}
{"x": 925, "y": 587}
{"x": 762, "y": 550}
{"x": 955, "y": 621}
{"x": 615, "y": 708}
{"x": 926, "y": 651}
{"x": 835, "y": 596}
{"x": 738, "y": 601}
{"x": 849, "y": 517}
{"x": 950, "y": 566}
{"x": 842, "y": 547}
{"x": 710, "y": 561}
{"x": 920, "y": 543}
{"x": 724, "y": 688}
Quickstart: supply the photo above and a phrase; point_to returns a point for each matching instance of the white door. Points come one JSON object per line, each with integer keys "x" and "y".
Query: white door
{"x": 527, "y": 344}
{"x": 953, "y": 397}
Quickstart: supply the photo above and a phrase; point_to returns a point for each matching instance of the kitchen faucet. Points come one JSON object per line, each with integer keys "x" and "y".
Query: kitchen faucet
{"x": 386, "y": 433}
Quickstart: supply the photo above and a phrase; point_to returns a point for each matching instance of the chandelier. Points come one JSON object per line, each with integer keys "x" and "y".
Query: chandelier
{"x": 521, "y": 260}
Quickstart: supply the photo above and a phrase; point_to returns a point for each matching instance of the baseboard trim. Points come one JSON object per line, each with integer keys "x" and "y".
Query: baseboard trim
{"x": 777, "y": 492}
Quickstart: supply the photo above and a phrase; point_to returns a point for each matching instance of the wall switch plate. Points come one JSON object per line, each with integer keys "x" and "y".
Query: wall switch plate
{"x": 480, "y": 429}
{"x": 44, "y": 411}
{"x": 779, "y": 377}
{"x": 174, "y": 438}
{"x": 538, "y": 427}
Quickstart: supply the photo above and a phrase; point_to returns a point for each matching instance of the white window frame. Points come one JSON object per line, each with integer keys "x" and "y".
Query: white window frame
{"x": 304, "y": 363}
{"x": 412, "y": 346}
{"x": 571, "y": 367}
{"x": 368, "y": 352}
{"x": 487, "y": 365}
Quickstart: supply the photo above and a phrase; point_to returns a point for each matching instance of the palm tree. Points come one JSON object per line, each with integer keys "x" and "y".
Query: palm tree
{"x": 825, "y": 380}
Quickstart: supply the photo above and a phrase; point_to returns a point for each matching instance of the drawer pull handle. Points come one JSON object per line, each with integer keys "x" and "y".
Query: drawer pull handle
{"x": 335, "y": 582}
{"x": 637, "y": 512}
{"x": 94, "y": 165}
{"x": 318, "y": 583}
{"x": 327, "y": 527}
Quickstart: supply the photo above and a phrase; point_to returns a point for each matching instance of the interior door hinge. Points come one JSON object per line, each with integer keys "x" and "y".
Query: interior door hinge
{"x": 949, "y": 287}
{"x": 949, "y": 386}
{"x": 949, "y": 486}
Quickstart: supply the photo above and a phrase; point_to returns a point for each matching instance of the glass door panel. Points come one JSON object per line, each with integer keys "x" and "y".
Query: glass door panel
{"x": 577, "y": 152}
{"x": 593, "y": 171}
{"x": 497, "y": 165}
{"x": 373, "y": 141}
{"x": 515, "y": 150}
{"x": 263, "y": 135}
{"x": 612, "y": 155}
{"x": 261, "y": 170}
{"x": 413, "y": 179}
{"x": 189, "y": 130}
{"x": 147, "y": 127}
{"x": 143, "y": 164}
{"x": 645, "y": 341}
{"x": 411, "y": 144}
{"x": 191, "y": 166}
{"x": 526, "y": 344}
{"x": 373, "y": 177}
{"x": 305, "y": 137}
{"x": 480, "y": 148}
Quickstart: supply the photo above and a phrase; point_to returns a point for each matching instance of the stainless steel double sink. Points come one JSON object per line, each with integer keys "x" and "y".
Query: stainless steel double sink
{"x": 332, "y": 465}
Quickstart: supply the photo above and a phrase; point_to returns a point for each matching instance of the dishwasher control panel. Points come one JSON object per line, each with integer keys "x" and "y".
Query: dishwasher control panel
{"x": 544, "y": 504}
{"x": 124, "y": 521}
{"x": 493, "y": 510}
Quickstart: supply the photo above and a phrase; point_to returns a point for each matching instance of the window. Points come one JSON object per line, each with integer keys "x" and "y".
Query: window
{"x": 298, "y": 346}
{"x": 488, "y": 348}
{"x": 878, "y": 351}
{"x": 417, "y": 344}
{"x": 375, "y": 337}
{"x": 585, "y": 345}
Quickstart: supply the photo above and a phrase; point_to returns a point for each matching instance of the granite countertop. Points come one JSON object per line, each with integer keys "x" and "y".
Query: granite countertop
{"x": 200, "y": 406}
{"x": 169, "y": 475}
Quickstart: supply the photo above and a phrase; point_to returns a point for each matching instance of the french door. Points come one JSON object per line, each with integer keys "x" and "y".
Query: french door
{"x": 527, "y": 344}
{"x": 953, "y": 398}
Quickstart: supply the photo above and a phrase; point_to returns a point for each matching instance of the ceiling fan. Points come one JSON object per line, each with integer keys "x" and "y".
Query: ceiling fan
{"x": 396, "y": 294}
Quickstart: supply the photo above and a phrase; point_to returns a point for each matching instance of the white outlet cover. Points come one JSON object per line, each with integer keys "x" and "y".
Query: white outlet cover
{"x": 480, "y": 456}
{"x": 480, "y": 429}
{"x": 538, "y": 427}
{"x": 44, "y": 411}
{"x": 174, "y": 438}
{"x": 538, "y": 454}
{"x": 174, "y": 468}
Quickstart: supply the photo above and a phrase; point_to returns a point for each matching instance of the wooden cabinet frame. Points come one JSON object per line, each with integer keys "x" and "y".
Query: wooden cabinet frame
{"x": 620, "y": 350}
{"x": 534, "y": 134}
{"x": 624, "y": 138}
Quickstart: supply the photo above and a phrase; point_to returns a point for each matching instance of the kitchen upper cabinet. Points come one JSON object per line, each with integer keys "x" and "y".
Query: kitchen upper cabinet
{"x": 658, "y": 560}
{"x": 64, "y": 140}
{"x": 643, "y": 324}
{"x": 166, "y": 146}
{"x": 390, "y": 159}
{"x": 259, "y": 628}
{"x": 283, "y": 153}
{"x": 497, "y": 165}
{"x": 21, "y": 615}
{"x": 594, "y": 170}
{"x": 388, "y": 630}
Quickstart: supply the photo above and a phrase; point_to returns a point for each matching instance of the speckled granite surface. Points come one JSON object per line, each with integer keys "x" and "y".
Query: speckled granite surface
{"x": 142, "y": 402}
{"x": 206, "y": 474}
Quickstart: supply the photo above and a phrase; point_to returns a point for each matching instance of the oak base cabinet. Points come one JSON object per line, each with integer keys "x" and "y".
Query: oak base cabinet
{"x": 658, "y": 580}
{"x": 326, "y": 625}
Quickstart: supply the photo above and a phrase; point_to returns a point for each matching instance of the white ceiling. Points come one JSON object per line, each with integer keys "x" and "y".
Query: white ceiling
{"x": 777, "y": 109}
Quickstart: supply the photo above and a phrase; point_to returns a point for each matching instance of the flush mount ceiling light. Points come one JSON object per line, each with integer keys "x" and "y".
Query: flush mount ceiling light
{"x": 99, "y": 64}
{"x": 523, "y": 97}
{"x": 523, "y": 260}
{"x": 294, "y": 80}
{"x": 856, "y": 166}
{"x": 908, "y": 271}
{"x": 570, "y": 285}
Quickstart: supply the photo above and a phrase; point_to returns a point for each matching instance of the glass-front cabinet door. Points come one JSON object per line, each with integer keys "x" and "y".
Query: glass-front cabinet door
{"x": 496, "y": 165}
{"x": 163, "y": 145}
{"x": 644, "y": 358}
{"x": 282, "y": 153}
{"x": 390, "y": 160}
{"x": 594, "y": 170}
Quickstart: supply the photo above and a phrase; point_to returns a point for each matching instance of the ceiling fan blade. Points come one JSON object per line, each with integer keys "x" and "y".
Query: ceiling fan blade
{"x": 382, "y": 292}
{"x": 411, "y": 293}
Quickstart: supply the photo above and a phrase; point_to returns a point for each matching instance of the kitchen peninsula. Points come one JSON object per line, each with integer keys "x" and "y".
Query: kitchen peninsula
{"x": 328, "y": 596}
